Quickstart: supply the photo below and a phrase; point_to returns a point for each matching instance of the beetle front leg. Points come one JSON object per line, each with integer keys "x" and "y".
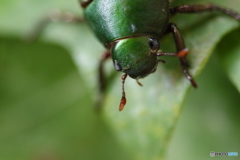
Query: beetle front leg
{"x": 182, "y": 51}
{"x": 51, "y": 17}
{"x": 203, "y": 8}
{"x": 101, "y": 76}
{"x": 101, "y": 80}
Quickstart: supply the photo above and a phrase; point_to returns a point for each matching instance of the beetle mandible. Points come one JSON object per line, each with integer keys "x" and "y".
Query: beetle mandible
{"x": 131, "y": 31}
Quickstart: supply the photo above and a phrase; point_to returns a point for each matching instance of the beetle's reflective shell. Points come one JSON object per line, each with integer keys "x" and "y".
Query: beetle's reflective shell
{"x": 115, "y": 19}
{"x": 135, "y": 57}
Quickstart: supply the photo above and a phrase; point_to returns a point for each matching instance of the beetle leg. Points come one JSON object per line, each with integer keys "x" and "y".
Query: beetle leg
{"x": 101, "y": 81}
{"x": 202, "y": 8}
{"x": 101, "y": 76}
{"x": 85, "y": 3}
{"x": 54, "y": 16}
{"x": 182, "y": 52}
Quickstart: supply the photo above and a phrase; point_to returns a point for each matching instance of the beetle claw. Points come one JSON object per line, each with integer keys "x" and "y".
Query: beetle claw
{"x": 160, "y": 60}
{"x": 139, "y": 83}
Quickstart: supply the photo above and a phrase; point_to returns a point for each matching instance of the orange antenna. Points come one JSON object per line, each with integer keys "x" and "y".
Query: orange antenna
{"x": 123, "y": 99}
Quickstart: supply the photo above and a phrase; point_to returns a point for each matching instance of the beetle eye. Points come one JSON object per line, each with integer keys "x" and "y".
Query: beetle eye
{"x": 153, "y": 43}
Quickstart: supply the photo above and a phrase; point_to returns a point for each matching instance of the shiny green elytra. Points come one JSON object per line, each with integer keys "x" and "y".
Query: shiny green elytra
{"x": 121, "y": 21}
{"x": 115, "y": 19}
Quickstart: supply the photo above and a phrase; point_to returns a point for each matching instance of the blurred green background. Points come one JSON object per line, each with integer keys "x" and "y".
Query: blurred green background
{"x": 48, "y": 89}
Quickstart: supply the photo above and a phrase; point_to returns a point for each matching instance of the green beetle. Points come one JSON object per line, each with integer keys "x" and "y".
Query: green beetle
{"x": 131, "y": 31}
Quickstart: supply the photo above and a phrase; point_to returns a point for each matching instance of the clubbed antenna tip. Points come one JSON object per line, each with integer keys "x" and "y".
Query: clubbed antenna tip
{"x": 123, "y": 99}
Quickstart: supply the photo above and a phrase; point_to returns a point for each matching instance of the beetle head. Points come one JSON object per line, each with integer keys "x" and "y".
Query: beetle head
{"x": 135, "y": 56}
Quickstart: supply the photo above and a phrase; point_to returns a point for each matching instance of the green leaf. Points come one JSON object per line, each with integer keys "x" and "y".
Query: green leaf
{"x": 46, "y": 108}
{"x": 210, "y": 118}
{"x": 228, "y": 53}
{"x": 48, "y": 100}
